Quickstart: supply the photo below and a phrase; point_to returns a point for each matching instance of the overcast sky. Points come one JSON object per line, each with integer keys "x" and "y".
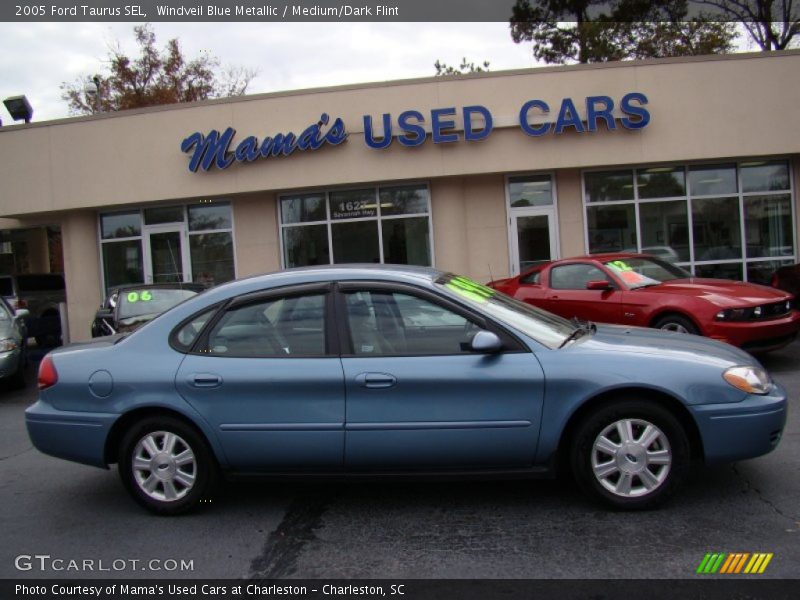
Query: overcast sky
{"x": 35, "y": 58}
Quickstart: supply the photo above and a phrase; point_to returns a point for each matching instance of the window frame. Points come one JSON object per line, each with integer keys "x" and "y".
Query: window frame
{"x": 511, "y": 343}
{"x": 378, "y": 219}
{"x": 598, "y": 267}
{"x": 744, "y": 262}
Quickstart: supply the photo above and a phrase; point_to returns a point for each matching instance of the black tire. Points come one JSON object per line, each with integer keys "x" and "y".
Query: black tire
{"x": 204, "y": 467}
{"x": 648, "y": 490}
{"x": 676, "y": 323}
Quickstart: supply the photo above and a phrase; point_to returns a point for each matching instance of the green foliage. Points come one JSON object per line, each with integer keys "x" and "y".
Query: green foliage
{"x": 465, "y": 67}
{"x": 588, "y": 31}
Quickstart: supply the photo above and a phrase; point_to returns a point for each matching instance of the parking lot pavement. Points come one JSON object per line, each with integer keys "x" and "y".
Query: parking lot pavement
{"x": 498, "y": 529}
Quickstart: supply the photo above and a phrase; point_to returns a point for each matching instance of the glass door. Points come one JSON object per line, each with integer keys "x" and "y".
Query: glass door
{"x": 167, "y": 259}
{"x": 533, "y": 239}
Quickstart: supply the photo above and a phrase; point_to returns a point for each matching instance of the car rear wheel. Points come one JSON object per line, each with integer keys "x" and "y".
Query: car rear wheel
{"x": 630, "y": 454}
{"x": 676, "y": 323}
{"x": 166, "y": 465}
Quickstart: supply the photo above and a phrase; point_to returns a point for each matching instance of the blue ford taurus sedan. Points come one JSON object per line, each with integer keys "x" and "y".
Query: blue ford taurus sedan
{"x": 397, "y": 370}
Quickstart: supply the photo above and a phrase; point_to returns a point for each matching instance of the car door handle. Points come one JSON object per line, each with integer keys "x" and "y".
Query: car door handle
{"x": 376, "y": 380}
{"x": 206, "y": 380}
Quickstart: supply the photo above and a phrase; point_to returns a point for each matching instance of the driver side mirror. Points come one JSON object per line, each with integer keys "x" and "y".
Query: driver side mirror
{"x": 600, "y": 284}
{"x": 22, "y": 313}
{"x": 486, "y": 342}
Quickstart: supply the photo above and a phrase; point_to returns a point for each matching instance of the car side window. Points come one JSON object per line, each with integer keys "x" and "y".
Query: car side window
{"x": 288, "y": 326}
{"x": 575, "y": 276}
{"x": 395, "y": 324}
{"x": 185, "y": 337}
{"x": 531, "y": 278}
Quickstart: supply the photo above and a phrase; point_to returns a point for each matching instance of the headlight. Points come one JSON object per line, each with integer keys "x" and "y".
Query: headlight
{"x": 7, "y": 345}
{"x": 735, "y": 314}
{"x": 752, "y": 380}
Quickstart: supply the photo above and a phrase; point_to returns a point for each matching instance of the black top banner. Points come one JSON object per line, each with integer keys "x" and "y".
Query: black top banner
{"x": 340, "y": 10}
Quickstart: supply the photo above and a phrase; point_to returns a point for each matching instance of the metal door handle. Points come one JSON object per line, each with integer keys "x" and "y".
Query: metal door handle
{"x": 205, "y": 380}
{"x": 376, "y": 380}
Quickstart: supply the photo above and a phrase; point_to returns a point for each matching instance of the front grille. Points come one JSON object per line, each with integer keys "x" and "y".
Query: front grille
{"x": 774, "y": 310}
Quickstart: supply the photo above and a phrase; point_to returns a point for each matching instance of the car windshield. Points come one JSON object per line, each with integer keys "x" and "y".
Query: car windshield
{"x": 150, "y": 301}
{"x": 544, "y": 327}
{"x": 638, "y": 271}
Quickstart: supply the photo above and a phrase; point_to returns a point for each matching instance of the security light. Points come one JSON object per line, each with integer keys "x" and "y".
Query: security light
{"x": 19, "y": 108}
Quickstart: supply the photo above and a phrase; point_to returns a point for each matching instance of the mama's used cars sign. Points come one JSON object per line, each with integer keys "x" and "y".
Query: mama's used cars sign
{"x": 411, "y": 127}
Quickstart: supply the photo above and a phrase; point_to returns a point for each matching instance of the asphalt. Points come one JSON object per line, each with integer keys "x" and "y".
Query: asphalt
{"x": 497, "y": 529}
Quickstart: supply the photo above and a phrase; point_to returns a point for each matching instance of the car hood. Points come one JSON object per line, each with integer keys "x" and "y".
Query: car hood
{"x": 664, "y": 344}
{"x": 723, "y": 292}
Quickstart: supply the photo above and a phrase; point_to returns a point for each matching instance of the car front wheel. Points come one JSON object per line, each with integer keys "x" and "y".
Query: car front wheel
{"x": 630, "y": 454}
{"x": 676, "y": 323}
{"x": 166, "y": 465}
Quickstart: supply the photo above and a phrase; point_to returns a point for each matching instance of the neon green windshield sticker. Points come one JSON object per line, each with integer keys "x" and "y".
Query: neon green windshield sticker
{"x": 472, "y": 290}
{"x": 144, "y": 296}
{"x": 620, "y": 265}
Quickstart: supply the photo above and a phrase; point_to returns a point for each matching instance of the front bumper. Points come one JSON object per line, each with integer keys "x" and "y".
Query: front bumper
{"x": 756, "y": 336}
{"x": 77, "y": 436}
{"x": 741, "y": 430}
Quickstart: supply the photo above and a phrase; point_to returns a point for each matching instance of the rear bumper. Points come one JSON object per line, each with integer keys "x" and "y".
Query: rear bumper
{"x": 76, "y": 436}
{"x": 741, "y": 430}
{"x": 757, "y": 336}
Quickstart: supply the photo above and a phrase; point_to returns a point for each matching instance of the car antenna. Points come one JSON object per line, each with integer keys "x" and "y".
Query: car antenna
{"x": 491, "y": 277}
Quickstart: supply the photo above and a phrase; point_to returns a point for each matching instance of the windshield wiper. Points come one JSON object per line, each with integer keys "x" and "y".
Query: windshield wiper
{"x": 581, "y": 329}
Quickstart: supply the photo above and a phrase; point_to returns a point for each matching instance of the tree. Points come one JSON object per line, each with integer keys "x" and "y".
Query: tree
{"x": 772, "y": 24}
{"x": 154, "y": 77}
{"x": 565, "y": 31}
{"x": 464, "y": 68}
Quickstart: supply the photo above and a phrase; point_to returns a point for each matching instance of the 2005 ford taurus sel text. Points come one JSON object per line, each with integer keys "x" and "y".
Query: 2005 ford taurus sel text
{"x": 397, "y": 370}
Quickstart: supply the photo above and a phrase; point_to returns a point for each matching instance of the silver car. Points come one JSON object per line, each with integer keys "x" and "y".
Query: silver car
{"x": 13, "y": 350}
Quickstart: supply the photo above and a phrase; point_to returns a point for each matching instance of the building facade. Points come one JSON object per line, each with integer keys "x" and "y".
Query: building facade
{"x": 693, "y": 159}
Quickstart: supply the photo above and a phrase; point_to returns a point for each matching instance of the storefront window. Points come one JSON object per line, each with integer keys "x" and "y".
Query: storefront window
{"x": 768, "y": 225}
{"x": 405, "y": 241}
{"x": 122, "y": 263}
{"x": 306, "y": 245}
{"x": 612, "y": 228}
{"x": 303, "y": 208}
{"x": 160, "y": 234}
{"x": 121, "y": 225}
{"x": 660, "y": 182}
{"x": 366, "y": 225}
{"x": 608, "y": 186}
{"x": 765, "y": 176}
{"x": 716, "y": 229}
{"x": 665, "y": 230}
{"x": 710, "y": 180}
{"x": 530, "y": 190}
{"x": 733, "y": 234}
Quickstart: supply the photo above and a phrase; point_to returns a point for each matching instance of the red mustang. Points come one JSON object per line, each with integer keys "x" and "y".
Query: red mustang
{"x": 637, "y": 289}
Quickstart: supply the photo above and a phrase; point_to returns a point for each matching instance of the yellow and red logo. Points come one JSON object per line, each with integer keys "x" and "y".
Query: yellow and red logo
{"x": 735, "y": 563}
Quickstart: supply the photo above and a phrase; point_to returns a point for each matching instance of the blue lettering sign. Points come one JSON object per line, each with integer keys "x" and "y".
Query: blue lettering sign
{"x": 523, "y": 118}
{"x": 214, "y": 149}
{"x": 568, "y": 117}
{"x": 470, "y": 134}
{"x": 437, "y": 125}
{"x": 369, "y": 136}
{"x": 636, "y": 111}
{"x": 595, "y": 114}
{"x": 418, "y": 132}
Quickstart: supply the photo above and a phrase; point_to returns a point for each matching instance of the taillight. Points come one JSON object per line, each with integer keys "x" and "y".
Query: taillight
{"x": 48, "y": 376}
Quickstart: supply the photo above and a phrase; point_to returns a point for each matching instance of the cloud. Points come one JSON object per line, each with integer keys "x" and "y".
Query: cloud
{"x": 37, "y": 57}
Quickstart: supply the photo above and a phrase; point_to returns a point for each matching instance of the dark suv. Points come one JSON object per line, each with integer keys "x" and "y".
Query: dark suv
{"x": 41, "y": 294}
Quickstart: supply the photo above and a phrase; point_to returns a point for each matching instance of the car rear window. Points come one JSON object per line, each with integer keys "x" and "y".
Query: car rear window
{"x": 40, "y": 283}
